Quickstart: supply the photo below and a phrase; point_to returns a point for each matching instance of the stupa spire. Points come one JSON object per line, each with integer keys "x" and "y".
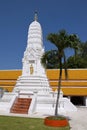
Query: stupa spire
{"x": 35, "y": 16}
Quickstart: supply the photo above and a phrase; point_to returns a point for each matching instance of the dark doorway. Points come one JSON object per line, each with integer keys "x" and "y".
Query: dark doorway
{"x": 78, "y": 100}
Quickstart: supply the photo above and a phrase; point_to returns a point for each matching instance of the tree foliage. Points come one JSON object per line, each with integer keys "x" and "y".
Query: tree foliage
{"x": 80, "y": 60}
{"x": 50, "y": 59}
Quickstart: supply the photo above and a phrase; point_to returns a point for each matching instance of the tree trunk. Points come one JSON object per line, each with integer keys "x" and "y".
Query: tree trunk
{"x": 59, "y": 87}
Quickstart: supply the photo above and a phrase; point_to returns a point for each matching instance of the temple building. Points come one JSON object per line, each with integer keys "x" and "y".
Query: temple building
{"x": 34, "y": 90}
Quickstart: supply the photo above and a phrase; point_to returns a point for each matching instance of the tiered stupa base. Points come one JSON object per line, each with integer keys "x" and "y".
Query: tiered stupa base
{"x": 38, "y": 84}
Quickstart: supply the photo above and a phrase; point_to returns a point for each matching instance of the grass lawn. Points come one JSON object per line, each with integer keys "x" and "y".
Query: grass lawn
{"x": 21, "y": 123}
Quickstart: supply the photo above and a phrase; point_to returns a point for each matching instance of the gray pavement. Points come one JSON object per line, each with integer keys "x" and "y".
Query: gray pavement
{"x": 77, "y": 120}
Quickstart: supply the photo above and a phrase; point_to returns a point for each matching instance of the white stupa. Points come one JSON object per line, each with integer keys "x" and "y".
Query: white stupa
{"x": 33, "y": 73}
{"x": 33, "y": 83}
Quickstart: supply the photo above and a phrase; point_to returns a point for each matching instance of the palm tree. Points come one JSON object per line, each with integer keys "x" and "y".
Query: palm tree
{"x": 75, "y": 44}
{"x": 62, "y": 41}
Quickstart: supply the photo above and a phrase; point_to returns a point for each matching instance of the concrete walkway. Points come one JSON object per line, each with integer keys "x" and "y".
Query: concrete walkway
{"x": 77, "y": 120}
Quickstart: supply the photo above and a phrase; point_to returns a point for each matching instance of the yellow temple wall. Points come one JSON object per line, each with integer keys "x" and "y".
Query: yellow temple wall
{"x": 75, "y": 85}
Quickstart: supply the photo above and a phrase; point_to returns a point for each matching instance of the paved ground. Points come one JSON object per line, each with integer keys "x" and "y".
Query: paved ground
{"x": 77, "y": 120}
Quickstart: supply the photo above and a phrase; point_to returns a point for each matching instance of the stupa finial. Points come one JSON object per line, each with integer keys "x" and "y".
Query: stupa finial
{"x": 35, "y": 16}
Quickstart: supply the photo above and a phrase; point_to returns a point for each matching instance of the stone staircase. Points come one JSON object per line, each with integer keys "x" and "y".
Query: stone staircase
{"x": 21, "y": 106}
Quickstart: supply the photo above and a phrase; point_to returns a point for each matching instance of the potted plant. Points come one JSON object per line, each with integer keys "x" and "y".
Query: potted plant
{"x": 56, "y": 121}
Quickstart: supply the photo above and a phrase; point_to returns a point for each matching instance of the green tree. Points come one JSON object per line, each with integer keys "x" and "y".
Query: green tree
{"x": 83, "y": 50}
{"x": 79, "y": 62}
{"x": 50, "y": 59}
{"x": 62, "y": 41}
{"x": 80, "y": 59}
{"x": 75, "y": 43}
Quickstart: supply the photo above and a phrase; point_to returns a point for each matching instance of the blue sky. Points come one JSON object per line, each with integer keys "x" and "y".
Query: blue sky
{"x": 53, "y": 15}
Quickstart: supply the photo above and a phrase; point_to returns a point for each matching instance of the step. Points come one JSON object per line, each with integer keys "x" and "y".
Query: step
{"x": 19, "y": 109}
{"x": 19, "y": 112}
{"x": 21, "y": 106}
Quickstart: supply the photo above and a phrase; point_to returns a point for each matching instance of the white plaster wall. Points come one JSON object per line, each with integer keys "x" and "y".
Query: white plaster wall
{"x": 86, "y": 101}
